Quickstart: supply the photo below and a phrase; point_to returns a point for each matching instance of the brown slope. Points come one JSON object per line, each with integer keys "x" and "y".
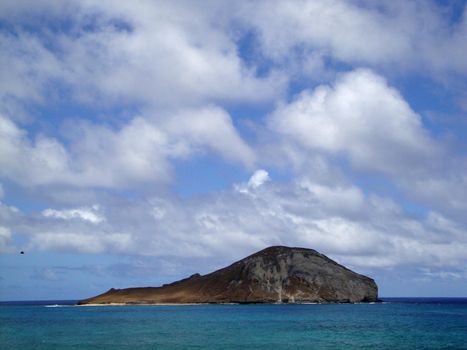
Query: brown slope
{"x": 275, "y": 274}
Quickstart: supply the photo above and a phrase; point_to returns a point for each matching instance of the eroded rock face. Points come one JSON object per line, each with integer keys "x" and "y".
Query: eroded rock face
{"x": 273, "y": 275}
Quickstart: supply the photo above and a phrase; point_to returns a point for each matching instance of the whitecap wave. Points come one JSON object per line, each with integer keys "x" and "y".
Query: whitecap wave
{"x": 57, "y": 305}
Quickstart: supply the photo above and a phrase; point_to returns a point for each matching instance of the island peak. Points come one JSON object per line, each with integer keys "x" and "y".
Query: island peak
{"x": 277, "y": 274}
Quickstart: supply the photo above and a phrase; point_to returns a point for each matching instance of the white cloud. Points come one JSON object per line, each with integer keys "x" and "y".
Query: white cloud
{"x": 81, "y": 242}
{"x": 334, "y": 26}
{"x": 363, "y": 118}
{"x": 156, "y": 53}
{"x": 362, "y": 231}
{"x": 134, "y": 153}
{"x": 258, "y": 178}
{"x": 30, "y": 66}
{"x": 209, "y": 127}
{"x": 139, "y": 152}
{"x": 88, "y": 214}
{"x": 5, "y": 240}
{"x": 347, "y": 199}
{"x": 45, "y": 159}
{"x": 402, "y": 35}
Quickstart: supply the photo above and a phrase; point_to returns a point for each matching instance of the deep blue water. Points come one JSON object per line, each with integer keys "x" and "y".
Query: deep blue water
{"x": 397, "y": 323}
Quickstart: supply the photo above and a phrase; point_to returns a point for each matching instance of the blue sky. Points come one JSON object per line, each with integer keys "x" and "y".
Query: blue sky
{"x": 141, "y": 142}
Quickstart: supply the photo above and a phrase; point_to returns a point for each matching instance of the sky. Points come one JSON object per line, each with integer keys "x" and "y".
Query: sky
{"x": 144, "y": 141}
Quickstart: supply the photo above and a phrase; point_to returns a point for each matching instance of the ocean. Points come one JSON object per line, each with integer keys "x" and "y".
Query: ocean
{"x": 397, "y": 323}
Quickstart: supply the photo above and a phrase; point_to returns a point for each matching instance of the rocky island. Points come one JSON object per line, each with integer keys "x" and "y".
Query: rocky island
{"x": 274, "y": 275}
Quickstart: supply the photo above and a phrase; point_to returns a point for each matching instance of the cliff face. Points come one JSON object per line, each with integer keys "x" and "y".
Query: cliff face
{"x": 275, "y": 274}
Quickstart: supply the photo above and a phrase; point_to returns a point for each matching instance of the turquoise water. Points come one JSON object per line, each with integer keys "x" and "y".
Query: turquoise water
{"x": 395, "y": 324}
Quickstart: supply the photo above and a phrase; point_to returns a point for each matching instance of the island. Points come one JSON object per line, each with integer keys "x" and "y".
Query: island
{"x": 276, "y": 274}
